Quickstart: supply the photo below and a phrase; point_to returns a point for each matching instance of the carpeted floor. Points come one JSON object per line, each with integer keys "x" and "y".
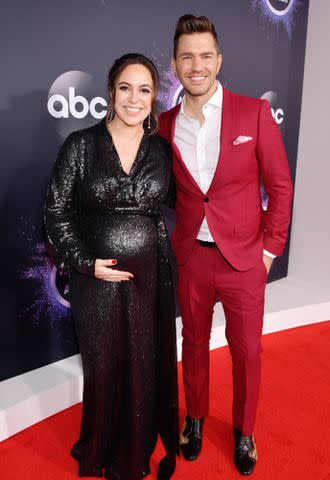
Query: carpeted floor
{"x": 292, "y": 432}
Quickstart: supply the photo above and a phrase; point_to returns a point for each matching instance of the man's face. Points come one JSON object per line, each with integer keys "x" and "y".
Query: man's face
{"x": 197, "y": 63}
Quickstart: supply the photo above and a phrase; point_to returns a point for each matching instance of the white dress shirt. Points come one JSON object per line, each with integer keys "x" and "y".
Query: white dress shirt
{"x": 199, "y": 146}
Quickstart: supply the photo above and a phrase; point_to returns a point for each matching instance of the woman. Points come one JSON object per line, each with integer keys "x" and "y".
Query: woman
{"x": 103, "y": 219}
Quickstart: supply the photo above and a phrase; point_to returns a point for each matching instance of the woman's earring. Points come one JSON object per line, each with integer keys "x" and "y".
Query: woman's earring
{"x": 111, "y": 114}
{"x": 149, "y": 122}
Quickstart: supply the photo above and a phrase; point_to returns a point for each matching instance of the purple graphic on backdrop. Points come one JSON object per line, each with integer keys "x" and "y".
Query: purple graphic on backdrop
{"x": 52, "y": 289}
{"x": 278, "y": 11}
{"x": 170, "y": 90}
{"x": 169, "y": 83}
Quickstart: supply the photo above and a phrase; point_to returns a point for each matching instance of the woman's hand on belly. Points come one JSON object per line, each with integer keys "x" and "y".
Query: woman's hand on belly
{"x": 104, "y": 271}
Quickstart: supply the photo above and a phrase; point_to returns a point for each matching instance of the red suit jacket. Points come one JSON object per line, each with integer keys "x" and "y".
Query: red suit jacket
{"x": 232, "y": 205}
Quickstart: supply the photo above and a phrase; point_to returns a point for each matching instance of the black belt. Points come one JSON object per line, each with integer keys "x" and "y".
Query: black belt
{"x": 203, "y": 243}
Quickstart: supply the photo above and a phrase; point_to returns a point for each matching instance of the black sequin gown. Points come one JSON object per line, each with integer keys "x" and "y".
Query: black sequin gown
{"x": 126, "y": 331}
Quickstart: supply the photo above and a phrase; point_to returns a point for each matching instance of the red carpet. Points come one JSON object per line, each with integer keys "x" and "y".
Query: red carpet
{"x": 292, "y": 433}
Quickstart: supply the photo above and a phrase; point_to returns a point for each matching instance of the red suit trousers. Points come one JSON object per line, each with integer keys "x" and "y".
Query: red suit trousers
{"x": 204, "y": 278}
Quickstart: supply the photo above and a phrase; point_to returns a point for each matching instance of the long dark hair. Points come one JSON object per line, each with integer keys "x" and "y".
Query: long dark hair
{"x": 119, "y": 66}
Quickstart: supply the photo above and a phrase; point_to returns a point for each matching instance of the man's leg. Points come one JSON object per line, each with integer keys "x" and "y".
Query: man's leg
{"x": 196, "y": 294}
{"x": 242, "y": 296}
{"x": 244, "y": 321}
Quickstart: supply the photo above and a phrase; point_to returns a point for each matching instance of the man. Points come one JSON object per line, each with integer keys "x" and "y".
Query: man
{"x": 223, "y": 144}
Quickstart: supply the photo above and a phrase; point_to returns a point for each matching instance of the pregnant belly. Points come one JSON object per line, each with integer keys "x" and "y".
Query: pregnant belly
{"x": 130, "y": 239}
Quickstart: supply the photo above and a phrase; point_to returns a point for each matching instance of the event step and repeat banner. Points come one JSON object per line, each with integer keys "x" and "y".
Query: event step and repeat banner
{"x": 55, "y": 59}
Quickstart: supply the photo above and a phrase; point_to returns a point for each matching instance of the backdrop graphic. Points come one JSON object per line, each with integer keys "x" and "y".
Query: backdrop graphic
{"x": 55, "y": 57}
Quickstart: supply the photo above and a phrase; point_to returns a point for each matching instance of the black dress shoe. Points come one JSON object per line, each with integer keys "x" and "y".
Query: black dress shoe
{"x": 191, "y": 438}
{"x": 245, "y": 455}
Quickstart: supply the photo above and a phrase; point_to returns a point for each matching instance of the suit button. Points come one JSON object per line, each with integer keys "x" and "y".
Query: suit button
{"x": 206, "y": 199}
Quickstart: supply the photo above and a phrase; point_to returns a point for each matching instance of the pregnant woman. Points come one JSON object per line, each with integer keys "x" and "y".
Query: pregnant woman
{"x": 103, "y": 218}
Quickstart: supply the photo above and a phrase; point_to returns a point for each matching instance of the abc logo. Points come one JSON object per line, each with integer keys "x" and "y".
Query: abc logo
{"x": 72, "y": 102}
{"x": 277, "y": 111}
{"x": 71, "y": 105}
{"x": 279, "y": 7}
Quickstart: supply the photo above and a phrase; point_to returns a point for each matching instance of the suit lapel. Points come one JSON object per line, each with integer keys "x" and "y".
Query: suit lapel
{"x": 225, "y": 135}
{"x": 225, "y": 142}
{"x": 177, "y": 154}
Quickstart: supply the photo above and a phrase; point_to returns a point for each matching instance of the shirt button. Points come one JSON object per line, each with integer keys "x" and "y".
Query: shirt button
{"x": 206, "y": 199}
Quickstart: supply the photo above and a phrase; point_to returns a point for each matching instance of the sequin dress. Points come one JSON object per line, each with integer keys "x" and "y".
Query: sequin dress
{"x": 126, "y": 331}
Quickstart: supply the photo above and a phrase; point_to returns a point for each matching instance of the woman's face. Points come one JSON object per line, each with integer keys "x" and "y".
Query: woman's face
{"x": 134, "y": 95}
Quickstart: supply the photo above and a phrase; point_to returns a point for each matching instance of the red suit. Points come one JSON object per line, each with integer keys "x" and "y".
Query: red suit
{"x": 233, "y": 272}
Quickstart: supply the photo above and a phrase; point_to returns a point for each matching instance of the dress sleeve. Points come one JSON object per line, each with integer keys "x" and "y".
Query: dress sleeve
{"x": 60, "y": 213}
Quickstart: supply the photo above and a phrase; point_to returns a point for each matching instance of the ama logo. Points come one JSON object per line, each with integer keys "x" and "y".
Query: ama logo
{"x": 73, "y": 102}
{"x": 279, "y": 7}
{"x": 178, "y": 95}
{"x": 60, "y": 287}
{"x": 279, "y": 11}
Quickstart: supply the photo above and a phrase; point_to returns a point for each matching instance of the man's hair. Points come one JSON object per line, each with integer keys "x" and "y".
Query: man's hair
{"x": 188, "y": 24}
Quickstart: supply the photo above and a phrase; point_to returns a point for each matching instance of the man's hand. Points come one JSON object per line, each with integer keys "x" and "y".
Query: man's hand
{"x": 103, "y": 271}
{"x": 268, "y": 261}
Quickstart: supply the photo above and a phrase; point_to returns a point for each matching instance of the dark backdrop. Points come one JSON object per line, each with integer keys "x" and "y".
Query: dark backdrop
{"x": 55, "y": 57}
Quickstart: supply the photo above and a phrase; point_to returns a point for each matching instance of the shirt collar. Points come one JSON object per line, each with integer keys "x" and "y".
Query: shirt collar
{"x": 215, "y": 100}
